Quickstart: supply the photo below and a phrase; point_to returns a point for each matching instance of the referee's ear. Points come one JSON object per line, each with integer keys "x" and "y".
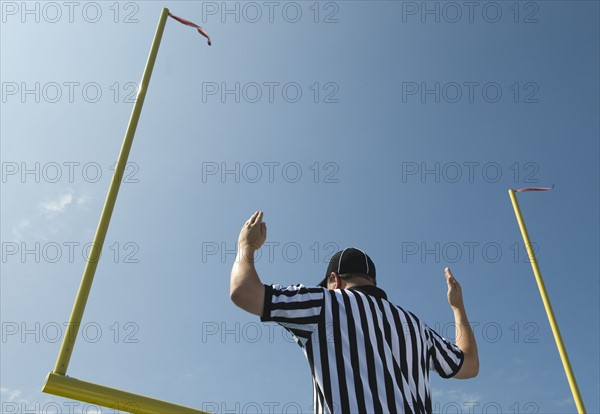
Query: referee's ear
{"x": 336, "y": 281}
{"x": 331, "y": 281}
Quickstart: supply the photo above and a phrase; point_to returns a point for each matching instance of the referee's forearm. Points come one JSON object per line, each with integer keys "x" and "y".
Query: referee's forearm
{"x": 465, "y": 340}
{"x": 243, "y": 273}
{"x": 246, "y": 289}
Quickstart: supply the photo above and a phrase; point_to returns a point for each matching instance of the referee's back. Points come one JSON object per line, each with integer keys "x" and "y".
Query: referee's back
{"x": 366, "y": 354}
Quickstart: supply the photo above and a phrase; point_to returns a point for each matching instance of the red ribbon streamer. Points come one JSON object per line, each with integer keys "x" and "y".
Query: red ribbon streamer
{"x": 534, "y": 189}
{"x": 194, "y": 25}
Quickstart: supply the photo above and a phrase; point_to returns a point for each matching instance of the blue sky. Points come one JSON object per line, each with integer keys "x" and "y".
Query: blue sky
{"x": 396, "y": 127}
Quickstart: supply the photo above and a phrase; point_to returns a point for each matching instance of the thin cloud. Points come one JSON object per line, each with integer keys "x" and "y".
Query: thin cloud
{"x": 11, "y": 395}
{"x": 19, "y": 229}
{"x": 519, "y": 377}
{"x": 83, "y": 200}
{"x": 519, "y": 361}
{"x": 44, "y": 223}
{"x": 455, "y": 396}
{"x": 57, "y": 206}
{"x": 565, "y": 402}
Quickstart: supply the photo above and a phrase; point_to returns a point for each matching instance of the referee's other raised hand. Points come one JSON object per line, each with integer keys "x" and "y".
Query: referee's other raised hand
{"x": 253, "y": 233}
{"x": 455, "y": 297}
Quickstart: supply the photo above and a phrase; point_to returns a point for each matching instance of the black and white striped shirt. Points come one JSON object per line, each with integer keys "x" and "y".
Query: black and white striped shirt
{"x": 366, "y": 354}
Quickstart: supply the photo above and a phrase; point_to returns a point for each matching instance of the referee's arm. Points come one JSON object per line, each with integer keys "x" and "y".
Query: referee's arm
{"x": 465, "y": 339}
{"x": 246, "y": 289}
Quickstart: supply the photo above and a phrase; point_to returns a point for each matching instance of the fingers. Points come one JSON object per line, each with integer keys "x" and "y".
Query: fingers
{"x": 254, "y": 231}
{"x": 450, "y": 277}
{"x": 255, "y": 218}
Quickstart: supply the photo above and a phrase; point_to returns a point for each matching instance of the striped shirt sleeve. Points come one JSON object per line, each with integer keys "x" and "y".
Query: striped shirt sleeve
{"x": 444, "y": 356}
{"x": 295, "y": 307}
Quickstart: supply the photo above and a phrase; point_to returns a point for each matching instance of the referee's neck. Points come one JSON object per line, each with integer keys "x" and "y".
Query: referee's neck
{"x": 369, "y": 289}
{"x": 354, "y": 285}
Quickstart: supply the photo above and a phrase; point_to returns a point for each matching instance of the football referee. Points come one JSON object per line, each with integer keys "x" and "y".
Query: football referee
{"x": 366, "y": 354}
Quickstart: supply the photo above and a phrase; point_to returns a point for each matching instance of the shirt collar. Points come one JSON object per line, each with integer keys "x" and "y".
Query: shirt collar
{"x": 370, "y": 290}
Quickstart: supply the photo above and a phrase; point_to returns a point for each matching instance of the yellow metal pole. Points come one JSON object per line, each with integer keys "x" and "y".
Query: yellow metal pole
{"x": 113, "y": 398}
{"x": 548, "y": 306}
{"x": 68, "y": 343}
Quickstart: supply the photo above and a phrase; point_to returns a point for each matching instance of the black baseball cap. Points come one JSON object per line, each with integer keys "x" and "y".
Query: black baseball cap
{"x": 349, "y": 260}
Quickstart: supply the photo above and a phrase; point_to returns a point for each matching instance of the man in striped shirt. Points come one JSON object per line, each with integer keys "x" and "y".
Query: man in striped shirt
{"x": 366, "y": 354}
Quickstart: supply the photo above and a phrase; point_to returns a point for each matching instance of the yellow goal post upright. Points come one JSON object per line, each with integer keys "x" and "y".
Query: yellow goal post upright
{"x": 57, "y": 382}
{"x": 546, "y": 300}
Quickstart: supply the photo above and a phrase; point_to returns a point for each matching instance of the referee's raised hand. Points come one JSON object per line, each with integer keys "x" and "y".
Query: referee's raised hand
{"x": 455, "y": 297}
{"x": 253, "y": 233}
